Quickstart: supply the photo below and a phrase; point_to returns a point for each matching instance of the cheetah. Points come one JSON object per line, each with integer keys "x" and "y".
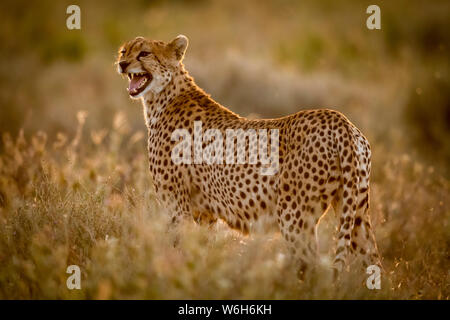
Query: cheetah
{"x": 323, "y": 161}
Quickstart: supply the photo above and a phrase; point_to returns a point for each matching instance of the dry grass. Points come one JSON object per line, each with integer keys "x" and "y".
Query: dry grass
{"x": 75, "y": 188}
{"x": 93, "y": 206}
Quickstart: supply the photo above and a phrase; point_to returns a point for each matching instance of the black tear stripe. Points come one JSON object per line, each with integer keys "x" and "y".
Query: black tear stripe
{"x": 157, "y": 59}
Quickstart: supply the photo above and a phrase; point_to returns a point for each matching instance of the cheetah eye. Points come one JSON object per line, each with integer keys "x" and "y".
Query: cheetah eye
{"x": 123, "y": 51}
{"x": 143, "y": 54}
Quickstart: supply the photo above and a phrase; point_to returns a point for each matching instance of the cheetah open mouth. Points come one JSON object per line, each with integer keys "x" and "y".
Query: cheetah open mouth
{"x": 138, "y": 82}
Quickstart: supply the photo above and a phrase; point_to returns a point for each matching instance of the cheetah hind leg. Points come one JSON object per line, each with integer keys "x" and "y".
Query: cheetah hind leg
{"x": 299, "y": 229}
{"x": 342, "y": 248}
{"x": 363, "y": 244}
{"x": 301, "y": 244}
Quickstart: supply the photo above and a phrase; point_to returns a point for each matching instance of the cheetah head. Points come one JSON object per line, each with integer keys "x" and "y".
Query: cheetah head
{"x": 150, "y": 64}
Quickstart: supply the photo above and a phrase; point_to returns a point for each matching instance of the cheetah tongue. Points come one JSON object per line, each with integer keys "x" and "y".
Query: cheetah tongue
{"x": 135, "y": 83}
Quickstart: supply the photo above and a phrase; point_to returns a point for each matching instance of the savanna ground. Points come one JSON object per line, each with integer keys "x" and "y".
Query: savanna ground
{"x": 74, "y": 182}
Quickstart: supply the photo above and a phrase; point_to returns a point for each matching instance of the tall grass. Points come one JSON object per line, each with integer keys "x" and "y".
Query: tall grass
{"x": 92, "y": 205}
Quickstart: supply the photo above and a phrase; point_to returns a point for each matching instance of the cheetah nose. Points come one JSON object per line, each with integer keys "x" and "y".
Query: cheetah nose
{"x": 123, "y": 65}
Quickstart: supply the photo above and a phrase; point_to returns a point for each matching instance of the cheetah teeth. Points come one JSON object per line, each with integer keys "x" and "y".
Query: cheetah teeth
{"x": 135, "y": 90}
{"x": 139, "y": 74}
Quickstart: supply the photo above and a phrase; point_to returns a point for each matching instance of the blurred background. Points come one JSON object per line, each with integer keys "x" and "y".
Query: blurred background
{"x": 59, "y": 88}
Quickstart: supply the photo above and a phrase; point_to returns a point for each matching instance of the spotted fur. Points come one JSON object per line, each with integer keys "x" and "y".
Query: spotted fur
{"x": 324, "y": 161}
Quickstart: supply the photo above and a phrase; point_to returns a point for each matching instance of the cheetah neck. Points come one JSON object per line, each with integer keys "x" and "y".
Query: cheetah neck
{"x": 155, "y": 103}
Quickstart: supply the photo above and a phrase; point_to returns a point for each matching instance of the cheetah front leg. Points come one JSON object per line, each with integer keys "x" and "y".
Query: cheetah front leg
{"x": 174, "y": 201}
{"x": 178, "y": 208}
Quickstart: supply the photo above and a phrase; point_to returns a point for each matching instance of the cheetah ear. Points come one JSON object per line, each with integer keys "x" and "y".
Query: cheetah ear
{"x": 178, "y": 46}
